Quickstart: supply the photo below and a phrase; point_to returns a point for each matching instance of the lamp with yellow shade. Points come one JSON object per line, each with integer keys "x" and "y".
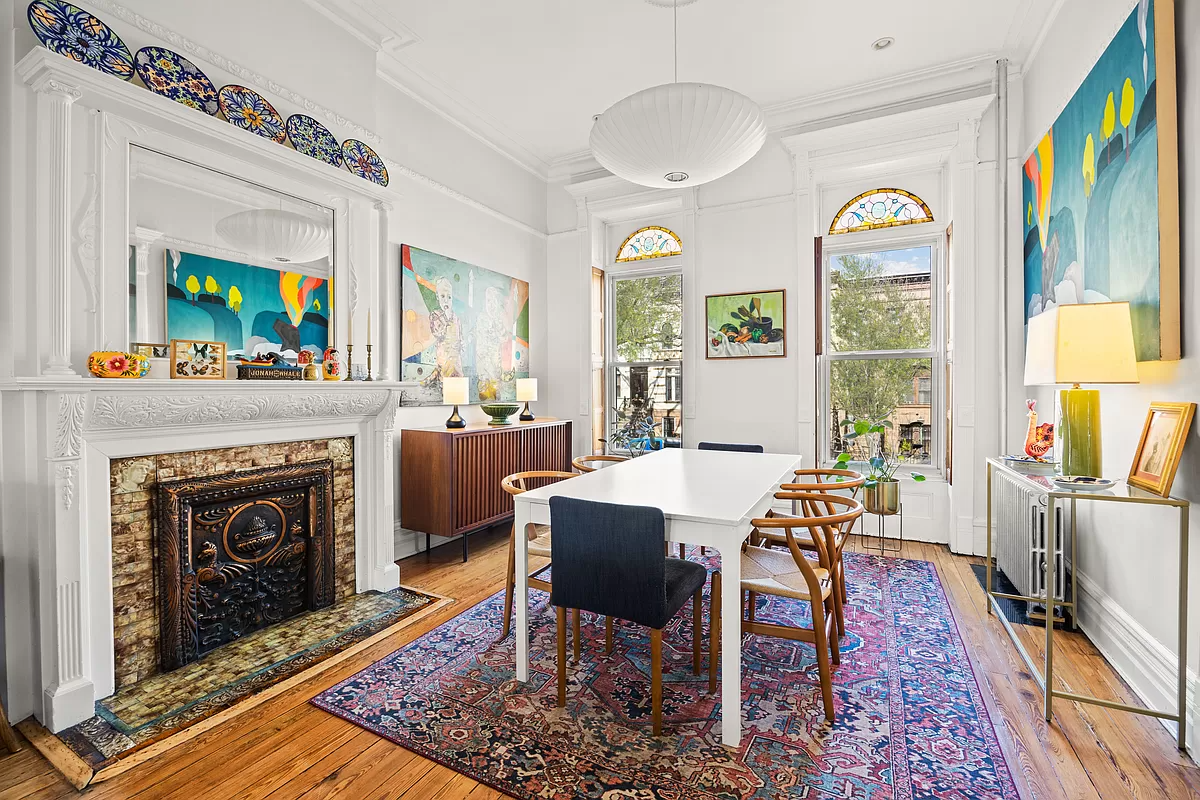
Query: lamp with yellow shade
{"x": 454, "y": 392}
{"x": 1076, "y": 344}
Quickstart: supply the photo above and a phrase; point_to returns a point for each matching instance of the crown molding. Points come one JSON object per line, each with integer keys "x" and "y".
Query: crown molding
{"x": 367, "y": 21}
{"x": 403, "y": 76}
{"x": 198, "y": 52}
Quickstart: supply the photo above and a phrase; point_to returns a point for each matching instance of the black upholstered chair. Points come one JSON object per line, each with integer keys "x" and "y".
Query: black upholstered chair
{"x": 608, "y": 559}
{"x": 731, "y": 448}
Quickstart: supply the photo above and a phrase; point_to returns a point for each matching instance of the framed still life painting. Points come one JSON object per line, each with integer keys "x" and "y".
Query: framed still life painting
{"x": 1161, "y": 446}
{"x": 1100, "y": 188}
{"x": 746, "y": 325}
{"x": 197, "y": 360}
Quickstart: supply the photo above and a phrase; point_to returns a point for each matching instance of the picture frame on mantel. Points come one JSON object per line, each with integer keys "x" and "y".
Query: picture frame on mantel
{"x": 197, "y": 361}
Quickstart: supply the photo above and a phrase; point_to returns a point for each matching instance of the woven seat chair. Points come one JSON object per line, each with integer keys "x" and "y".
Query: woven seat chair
{"x": 819, "y": 481}
{"x": 789, "y": 573}
{"x": 539, "y": 543}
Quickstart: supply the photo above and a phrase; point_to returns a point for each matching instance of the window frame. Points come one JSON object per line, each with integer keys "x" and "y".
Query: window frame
{"x": 861, "y": 242}
{"x": 634, "y": 270}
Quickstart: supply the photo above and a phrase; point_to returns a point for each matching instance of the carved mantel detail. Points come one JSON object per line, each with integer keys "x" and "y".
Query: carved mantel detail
{"x": 163, "y": 410}
{"x": 68, "y": 435}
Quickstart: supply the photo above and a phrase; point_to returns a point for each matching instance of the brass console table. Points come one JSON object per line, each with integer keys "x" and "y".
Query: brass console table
{"x": 1119, "y": 493}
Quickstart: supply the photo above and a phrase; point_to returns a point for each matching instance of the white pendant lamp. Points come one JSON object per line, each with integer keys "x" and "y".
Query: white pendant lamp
{"x": 678, "y": 134}
{"x": 272, "y": 234}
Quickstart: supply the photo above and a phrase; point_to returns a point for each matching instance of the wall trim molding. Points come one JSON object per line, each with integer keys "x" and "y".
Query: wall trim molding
{"x": 1145, "y": 663}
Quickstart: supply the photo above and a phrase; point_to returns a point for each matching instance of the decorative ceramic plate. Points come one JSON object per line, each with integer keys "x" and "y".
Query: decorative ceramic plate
{"x": 250, "y": 111}
{"x": 167, "y": 73}
{"x": 1078, "y": 483}
{"x": 364, "y": 162}
{"x": 313, "y": 139}
{"x": 72, "y": 32}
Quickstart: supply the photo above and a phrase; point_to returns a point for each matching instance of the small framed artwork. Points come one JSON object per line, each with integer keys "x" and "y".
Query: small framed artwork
{"x": 746, "y": 325}
{"x": 1158, "y": 452}
{"x": 151, "y": 349}
{"x": 197, "y": 360}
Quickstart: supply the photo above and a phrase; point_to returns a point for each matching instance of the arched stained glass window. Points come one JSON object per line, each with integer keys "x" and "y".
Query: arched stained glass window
{"x": 880, "y": 208}
{"x": 651, "y": 242}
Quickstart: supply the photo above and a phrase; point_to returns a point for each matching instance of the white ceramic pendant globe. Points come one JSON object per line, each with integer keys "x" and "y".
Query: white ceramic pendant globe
{"x": 271, "y": 234}
{"x": 693, "y": 132}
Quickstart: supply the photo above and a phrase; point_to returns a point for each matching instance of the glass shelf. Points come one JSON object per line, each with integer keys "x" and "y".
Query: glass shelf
{"x": 1041, "y": 478}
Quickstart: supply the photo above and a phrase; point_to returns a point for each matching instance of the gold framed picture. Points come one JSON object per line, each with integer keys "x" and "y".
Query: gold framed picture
{"x": 193, "y": 360}
{"x": 151, "y": 349}
{"x": 1163, "y": 437}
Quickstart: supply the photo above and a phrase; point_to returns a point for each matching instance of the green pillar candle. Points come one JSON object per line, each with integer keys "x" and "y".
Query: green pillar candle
{"x": 1080, "y": 432}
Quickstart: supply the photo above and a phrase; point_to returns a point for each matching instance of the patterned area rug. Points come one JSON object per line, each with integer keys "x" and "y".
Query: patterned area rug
{"x": 163, "y": 704}
{"x": 911, "y": 722}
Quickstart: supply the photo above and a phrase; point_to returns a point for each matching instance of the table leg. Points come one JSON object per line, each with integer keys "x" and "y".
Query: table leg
{"x": 1183, "y": 623}
{"x": 731, "y": 645}
{"x": 521, "y": 593}
{"x": 1049, "y": 577}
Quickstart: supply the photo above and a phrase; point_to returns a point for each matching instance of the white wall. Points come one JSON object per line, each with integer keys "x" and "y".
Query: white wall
{"x": 1128, "y": 556}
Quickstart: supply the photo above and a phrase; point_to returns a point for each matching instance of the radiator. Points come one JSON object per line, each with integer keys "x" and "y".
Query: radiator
{"x": 1024, "y": 544}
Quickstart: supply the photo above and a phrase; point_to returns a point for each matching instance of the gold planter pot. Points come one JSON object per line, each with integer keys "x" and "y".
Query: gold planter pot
{"x": 883, "y": 498}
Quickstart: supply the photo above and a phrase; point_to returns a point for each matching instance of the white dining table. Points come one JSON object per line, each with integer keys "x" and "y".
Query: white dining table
{"x": 708, "y": 498}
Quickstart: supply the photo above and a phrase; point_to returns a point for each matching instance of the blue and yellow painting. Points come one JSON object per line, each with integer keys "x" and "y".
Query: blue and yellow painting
{"x": 1091, "y": 194}
{"x": 460, "y": 320}
{"x": 252, "y": 309}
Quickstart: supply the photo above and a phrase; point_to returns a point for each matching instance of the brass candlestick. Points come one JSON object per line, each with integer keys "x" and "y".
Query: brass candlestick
{"x": 349, "y": 362}
{"x": 369, "y": 377}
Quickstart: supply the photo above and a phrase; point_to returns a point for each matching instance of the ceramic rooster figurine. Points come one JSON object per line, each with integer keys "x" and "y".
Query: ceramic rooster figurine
{"x": 1040, "y": 438}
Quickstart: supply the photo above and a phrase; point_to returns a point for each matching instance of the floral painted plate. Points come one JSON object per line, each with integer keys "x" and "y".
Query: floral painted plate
{"x": 364, "y": 162}
{"x": 72, "y": 32}
{"x": 1078, "y": 483}
{"x": 250, "y": 111}
{"x": 313, "y": 139}
{"x": 167, "y": 73}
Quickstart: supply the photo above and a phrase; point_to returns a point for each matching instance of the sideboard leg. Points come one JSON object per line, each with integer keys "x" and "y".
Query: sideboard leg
{"x": 464, "y": 538}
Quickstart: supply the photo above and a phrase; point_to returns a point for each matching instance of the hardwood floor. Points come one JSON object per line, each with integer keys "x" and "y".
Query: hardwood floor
{"x": 286, "y": 748}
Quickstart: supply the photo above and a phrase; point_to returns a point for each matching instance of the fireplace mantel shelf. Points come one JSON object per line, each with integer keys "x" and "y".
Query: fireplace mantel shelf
{"x": 189, "y": 387}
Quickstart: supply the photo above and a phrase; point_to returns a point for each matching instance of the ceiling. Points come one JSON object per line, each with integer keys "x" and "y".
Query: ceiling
{"x": 529, "y": 75}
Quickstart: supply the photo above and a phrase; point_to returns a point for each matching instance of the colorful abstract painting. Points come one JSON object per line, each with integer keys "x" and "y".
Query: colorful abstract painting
{"x": 252, "y": 309}
{"x": 1100, "y": 189}
{"x": 459, "y": 320}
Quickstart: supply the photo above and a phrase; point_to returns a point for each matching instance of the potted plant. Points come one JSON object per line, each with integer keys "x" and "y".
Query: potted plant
{"x": 881, "y": 491}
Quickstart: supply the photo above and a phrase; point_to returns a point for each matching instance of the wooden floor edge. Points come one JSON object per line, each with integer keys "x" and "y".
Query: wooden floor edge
{"x": 76, "y": 771}
{"x": 192, "y": 731}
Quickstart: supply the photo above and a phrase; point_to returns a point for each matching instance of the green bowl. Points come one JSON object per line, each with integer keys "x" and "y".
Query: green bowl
{"x": 500, "y": 412}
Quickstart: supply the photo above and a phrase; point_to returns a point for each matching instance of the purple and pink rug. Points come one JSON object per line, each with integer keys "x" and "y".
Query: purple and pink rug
{"x": 911, "y": 722}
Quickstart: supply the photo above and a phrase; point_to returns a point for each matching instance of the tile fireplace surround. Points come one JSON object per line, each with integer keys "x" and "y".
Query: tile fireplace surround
{"x": 64, "y": 548}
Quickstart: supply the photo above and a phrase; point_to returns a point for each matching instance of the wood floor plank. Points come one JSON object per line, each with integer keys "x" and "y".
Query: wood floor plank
{"x": 286, "y": 748}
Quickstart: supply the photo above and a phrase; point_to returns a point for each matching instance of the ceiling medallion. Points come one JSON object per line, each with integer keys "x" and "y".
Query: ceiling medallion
{"x": 678, "y": 134}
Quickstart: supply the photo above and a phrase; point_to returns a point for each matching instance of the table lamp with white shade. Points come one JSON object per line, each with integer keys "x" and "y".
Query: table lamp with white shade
{"x": 454, "y": 392}
{"x": 526, "y": 391}
{"x": 1076, "y": 344}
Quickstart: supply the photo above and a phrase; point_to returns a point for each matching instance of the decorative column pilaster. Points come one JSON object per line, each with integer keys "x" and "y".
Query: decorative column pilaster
{"x": 69, "y": 695}
{"x": 143, "y": 238}
{"x": 54, "y": 100}
{"x": 385, "y": 575}
{"x": 388, "y": 304}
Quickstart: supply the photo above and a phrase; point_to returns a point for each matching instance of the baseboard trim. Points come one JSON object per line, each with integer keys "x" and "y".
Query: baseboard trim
{"x": 1143, "y": 662}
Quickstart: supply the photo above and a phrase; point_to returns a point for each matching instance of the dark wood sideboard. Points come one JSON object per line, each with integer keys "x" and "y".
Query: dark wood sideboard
{"x": 450, "y": 479}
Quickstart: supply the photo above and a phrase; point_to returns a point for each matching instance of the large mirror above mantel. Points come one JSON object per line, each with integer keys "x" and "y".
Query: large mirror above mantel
{"x": 214, "y": 257}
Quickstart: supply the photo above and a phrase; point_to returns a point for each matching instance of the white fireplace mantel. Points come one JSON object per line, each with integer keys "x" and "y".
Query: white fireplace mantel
{"x": 88, "y": 422}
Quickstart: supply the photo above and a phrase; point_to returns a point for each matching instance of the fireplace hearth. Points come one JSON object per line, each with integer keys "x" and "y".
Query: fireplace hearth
{"x": 239, "y": 552}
